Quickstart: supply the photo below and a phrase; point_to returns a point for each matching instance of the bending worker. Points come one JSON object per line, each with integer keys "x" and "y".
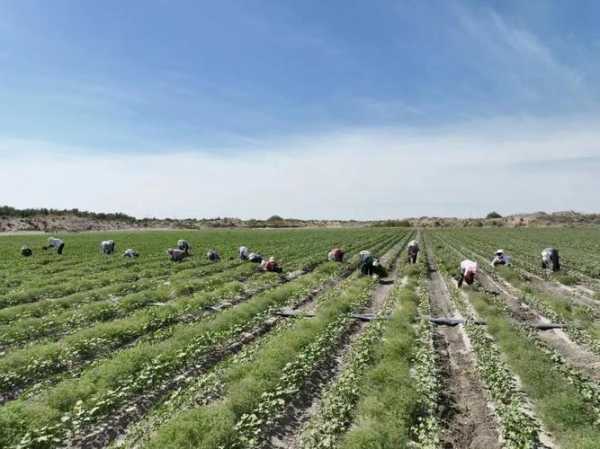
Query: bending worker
{"x": 213, "y": 255}
{"x": 467, "y": 273}
{"x": 336, "y": 255}
{"x": 270, "y": 265}
{"x": 176, "y": 254}
{"x": 131, "y": 253}
{"x": 244, "y": 253}
{"x": 56, "y": 244}
{"x": 184, "y": 246}
{"x": 413, "y": 251}
{"x": 550, "y": 259}
{"x": 500, "y": 259}
{"x": 255, "y": 258}
{"x": 107, "y": 247}
{"x": 368, "y": 263}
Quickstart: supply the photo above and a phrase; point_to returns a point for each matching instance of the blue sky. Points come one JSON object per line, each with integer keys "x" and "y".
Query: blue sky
{"x": 235, "y": 83}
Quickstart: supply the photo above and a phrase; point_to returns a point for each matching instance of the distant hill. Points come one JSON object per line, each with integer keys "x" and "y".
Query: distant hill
{"x": 516, "y": 220}
{"x": 74, "y": 220}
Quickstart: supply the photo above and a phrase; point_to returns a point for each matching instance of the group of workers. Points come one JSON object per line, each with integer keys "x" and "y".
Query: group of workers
{"x": 369, "y": 265}
{"x": 468, "y": 268}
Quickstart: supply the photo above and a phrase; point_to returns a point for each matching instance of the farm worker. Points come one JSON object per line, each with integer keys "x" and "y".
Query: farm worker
{"x": 184, "y": 245}
{"x": 176, "y": 254}
{"x": 213, "y": 255}
{"x": 26, "y": 251}
{"x": 367, "y": 263}
{"x": 468, "y": 270}
{"x": 363, "y": 255}
{"x": 413, "y": 251}
{"x": 255, "y": 257}
{"x": 270, "y": 265}
{"x": 336, "y": 255}
{"x": 56, "y": 244}
{"x": 499, "y": 258}
{"x": 131, "y": 253}
{"x": 244, "y": 253}
{"x": 107, "y": 246}
{"x": 550, "y": 259}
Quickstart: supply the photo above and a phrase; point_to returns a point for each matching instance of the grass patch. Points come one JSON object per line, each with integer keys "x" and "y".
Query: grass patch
{"x": 557, "y": 403}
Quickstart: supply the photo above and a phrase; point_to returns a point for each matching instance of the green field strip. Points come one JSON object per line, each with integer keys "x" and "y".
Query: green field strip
{"x": 34, "y": 363}
{"x": 568, "y": 411}
{"x": 71, "y": 319}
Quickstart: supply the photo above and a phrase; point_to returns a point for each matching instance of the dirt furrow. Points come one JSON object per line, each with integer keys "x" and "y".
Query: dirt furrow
{"x": 288, "y": 435}
{"x": 105, "y": 432}
{"x": 577, "y": 356}
{"x": 467, "y": 415}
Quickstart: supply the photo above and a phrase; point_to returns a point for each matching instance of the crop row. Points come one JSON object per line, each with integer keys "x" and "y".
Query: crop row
{"x": 567, "y": 410}
{"x": 61, "y": 410}
{"x": 148, "y": 280}
{"x": 66, "y": 321}
{"x": 34, "y": 363}
{"x": 583, "y": 324}
{"x": 254, "y": 397}
{"x": 125, "y": 273}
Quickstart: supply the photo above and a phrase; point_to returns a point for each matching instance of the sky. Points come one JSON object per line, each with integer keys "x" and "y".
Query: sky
{"x": 311, "y": 109}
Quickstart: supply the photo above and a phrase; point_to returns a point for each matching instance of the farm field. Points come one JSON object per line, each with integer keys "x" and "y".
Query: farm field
{"x": 106, "y": 352}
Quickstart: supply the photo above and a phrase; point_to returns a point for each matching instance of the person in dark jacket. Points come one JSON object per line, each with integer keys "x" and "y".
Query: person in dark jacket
{"x": 213, "y": 255}
{"x": 550, "y": 259}
{"x": 184, "y": 245}
{"x": 413, "y": 251}
{"x": 107, "y": 247}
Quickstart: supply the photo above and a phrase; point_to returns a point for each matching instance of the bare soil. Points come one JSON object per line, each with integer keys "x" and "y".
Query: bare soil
{"x": 575, "y": 355}
{"x": 289, "y": 433}
{"x": 466, "y": 412}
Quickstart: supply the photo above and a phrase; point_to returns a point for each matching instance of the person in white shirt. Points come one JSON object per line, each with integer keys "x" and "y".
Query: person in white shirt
{"x": 244, "y": 253}
{"x": 56, "y": 244}
{"x": 131, "y": 253}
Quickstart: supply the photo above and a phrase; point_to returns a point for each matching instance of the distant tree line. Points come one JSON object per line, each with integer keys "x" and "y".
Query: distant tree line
{"x": 7, "y": 211}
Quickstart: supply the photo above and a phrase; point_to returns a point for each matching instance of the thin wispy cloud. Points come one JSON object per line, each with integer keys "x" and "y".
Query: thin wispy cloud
{"x": 360, "y": 174}
{"x": 335, "y": 109}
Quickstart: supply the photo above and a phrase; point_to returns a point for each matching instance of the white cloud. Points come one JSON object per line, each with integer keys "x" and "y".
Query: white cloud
{"x": 351, "y": 173}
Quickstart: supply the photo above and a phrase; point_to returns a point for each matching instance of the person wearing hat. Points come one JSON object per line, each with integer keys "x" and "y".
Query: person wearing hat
{"x": 499, "y": 258}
